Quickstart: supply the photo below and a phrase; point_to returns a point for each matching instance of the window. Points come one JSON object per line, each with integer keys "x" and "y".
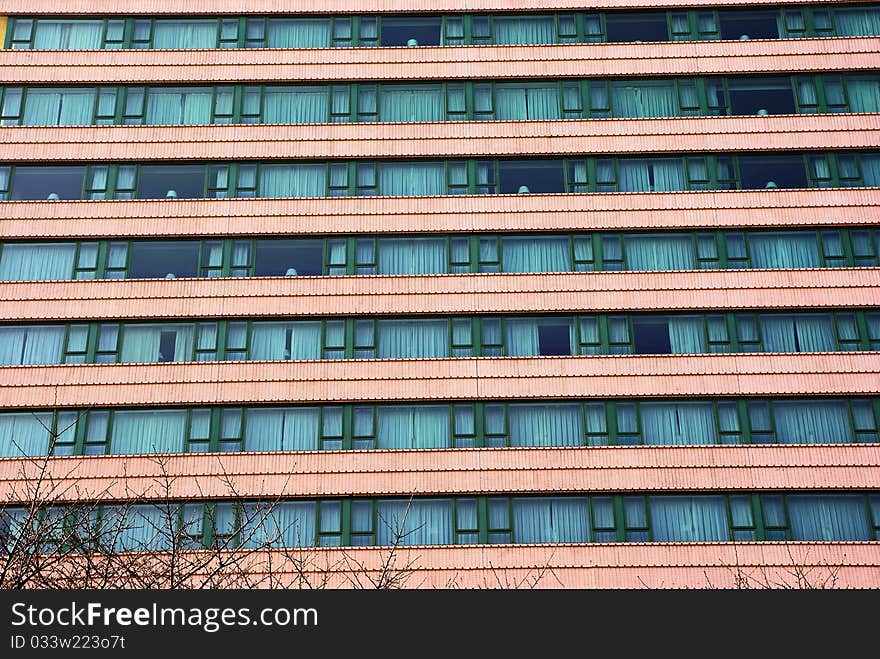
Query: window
{"x": 63, "y": 182}
{"x": 743, "y": 25}
{"x": 534, "y": 176}
{"x": 275, "y": 258}
{"x": 629, "y": 26}
{"x": 759, "y": 172}
{"x": 761, "y": 96}
{"x": 163, "y": 259}
{"x": 411, "y": 31}
{"x": 171, "y": 182}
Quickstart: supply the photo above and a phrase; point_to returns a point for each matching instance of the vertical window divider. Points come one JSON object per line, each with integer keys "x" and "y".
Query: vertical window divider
{"x": 100, "y": 259}
{"x": 473, "y": 247}
{"x": 356, "y": 31}
{"x": 79, "y": 437}
{"x": 648, "y": 524}
{"x": 712, "y": 171}
{"x": 112, "y": 178}
{"x": 127, "y": 32}
{"x": 121, "y": 96}
{"x": 479, "y": 424}
{"x": 721, "y": 246}
{"x": 222, "y": 334}
{"x": 209, "y": 522}
{"x": 225, "y": 258}
{"x": 849, "y": 257}
{"x": 469, "y": 103}
{"x": 350, "y": 245}
{"x": 758, "y": 514}
{"x": 353, "y": 185}
{"x": 348, "y": 339}
{"x": 237, "y": 102}
{"x": 862, "y": 327}
{"x": 483, "y": 519}
{"x": 833, "y": 169}
{"x": 592, "y": 178}
{"x": 347, "y": 426}
{"x": 604, "y": 335}
{"x": 7, "y": 35}
{"x": 354, "y": 91}
{"x": 214, "y": 429}
{"x": 65, "y": 342}
{"x": 875, "y": 405}
{"x": 472, "y": 177}
{"x": 92, "y": 343}
{"x": 745, "y": 423}
{"x": 580, "y": 27}
{"x": 619, "y": 517}
{"x": 596, "y": 240}
{"x": 242, "y": 35}
{"x": 819, "y": 84}
{"x": 846, "y": 242}
{"x": 785, "y": 512}
{"x": 477, "y": 336}
{"x": 611, "y": 422}
{"x": 732, "y": 336}
{"x": 582, "y": 410}
{"x": 345, "y": 521}
{"x": 702, "y": 97}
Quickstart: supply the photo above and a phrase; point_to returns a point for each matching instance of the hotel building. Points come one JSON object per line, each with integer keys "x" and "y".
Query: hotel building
{"x": 528, "y": 288}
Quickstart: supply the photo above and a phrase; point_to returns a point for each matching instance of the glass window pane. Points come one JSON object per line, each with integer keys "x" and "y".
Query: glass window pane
{"x": 634, "y": 512}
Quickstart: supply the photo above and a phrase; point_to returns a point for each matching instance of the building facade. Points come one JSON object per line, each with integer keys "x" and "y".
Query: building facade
{"x": 534, "y": 293}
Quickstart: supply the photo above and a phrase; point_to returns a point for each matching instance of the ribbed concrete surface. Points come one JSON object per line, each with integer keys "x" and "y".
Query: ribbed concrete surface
{"x": 659, "y": 211}
{"x": 439, "y": 63}
{"x": 455, "y": 472}
{"x": 266, "y": 297}
{"x": 446, "y": 139}
{"x": 235, "y": 7}
{"x": 486, "y": 378}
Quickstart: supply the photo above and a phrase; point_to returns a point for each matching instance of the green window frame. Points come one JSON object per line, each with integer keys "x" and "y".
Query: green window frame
{"x": 365, "y": 30}
{"x": 355, "y": 426}
{"x": 613, "y": 517}
{"x": 358, "y": 254}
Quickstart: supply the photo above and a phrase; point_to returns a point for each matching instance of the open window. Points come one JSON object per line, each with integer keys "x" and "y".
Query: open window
{"x": 159, "y": 259}
{"x": 745, "y": 25}
{"x": 758, "y": 172}
{"x": 636, "y": 27}
{"x": 279, "y": 258}
{"x": 422, "y": 31}
{"x": 554, "y": 338}
{"x": 761, "y": 96}
{"x": 171, "y": 181}
{"x": 531, "y": 176}
{"x": 35, "y": 183}
{"x": 651, "y": 336}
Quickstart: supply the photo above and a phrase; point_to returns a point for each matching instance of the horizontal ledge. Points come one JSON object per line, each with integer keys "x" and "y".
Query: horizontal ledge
{"x": 486, "y": 378}
{"x": 452, "y": 472}
{"x": 439, "y": 63}
{"x": 477, "y": 213}
{"x": 392, "y": 295}
{"x": 236, "y": 7}
{"x": 727, "y": 565}
{"x": 446, "y": 139}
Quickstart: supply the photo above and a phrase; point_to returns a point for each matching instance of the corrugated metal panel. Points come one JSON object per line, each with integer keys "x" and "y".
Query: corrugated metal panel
{"x": 236, "y": 7}
{"x": 546, "y": 212}
{"x": 455, "y": 472}
{"x": 449, "y": 139}
{"x": 438, "y": 63}
{"x": 792, "y": 565}
{"x": 204, "y": 383}
{"x": 440, "y": 294}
